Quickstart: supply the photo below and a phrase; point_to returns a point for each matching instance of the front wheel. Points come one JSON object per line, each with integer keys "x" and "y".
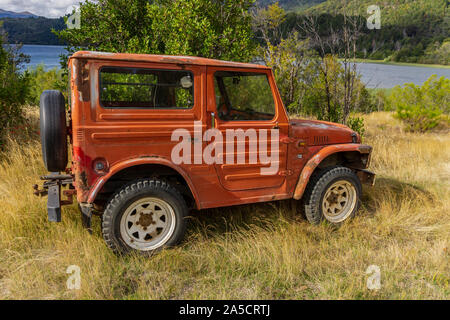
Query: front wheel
{"x": 332, "y": 193}
{"x": 144, "y": 216}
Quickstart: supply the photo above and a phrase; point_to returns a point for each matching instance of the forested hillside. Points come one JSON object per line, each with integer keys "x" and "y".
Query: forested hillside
{"x": 10, "y": 14}
{"x": 392, "y": 11}
{"x": 32, "y": 30}
{"x": 414, "y": 31}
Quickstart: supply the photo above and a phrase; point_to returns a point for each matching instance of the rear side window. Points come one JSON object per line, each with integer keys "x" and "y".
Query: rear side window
{"x": 146, "y": 88}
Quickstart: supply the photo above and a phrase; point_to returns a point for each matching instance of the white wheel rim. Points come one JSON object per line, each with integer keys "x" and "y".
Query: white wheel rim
{"x": 339, "y": 201}
{"x": 147, "y": 224}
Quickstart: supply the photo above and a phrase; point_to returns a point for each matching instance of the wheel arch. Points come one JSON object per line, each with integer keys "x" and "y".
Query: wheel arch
{"x": 354, "y": 156}
{"x": 139, "y": 168}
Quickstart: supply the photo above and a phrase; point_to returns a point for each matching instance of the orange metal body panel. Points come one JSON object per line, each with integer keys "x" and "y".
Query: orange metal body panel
{"x": 150, "y": 58}
{"x": 238, "y": 177}
{"x": 129, "y": 137}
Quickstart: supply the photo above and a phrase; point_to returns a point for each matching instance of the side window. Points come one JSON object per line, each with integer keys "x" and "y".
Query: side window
{"x": 146, "y": 88}
{"x": 243, "y": 96}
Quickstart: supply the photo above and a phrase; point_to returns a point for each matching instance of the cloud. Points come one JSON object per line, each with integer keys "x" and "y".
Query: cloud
{"x": 45, "y": 8}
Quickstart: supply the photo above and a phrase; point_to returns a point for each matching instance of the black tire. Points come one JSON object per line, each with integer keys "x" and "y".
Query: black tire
{"x": 320, "y": 183}
{"x": 116, "y": 226}
{"x": 53, "y": 129}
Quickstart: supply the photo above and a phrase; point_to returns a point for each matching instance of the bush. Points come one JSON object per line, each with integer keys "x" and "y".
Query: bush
{"x": 356, "y": 124}
{"x": 13, "y": 90}
{"x": 377, "y": 55}
{"x": 378, "y": 101}
{"x": 437, "y": 53}
{"x": 422, "y": 108}
{"x": 41, "y": 80}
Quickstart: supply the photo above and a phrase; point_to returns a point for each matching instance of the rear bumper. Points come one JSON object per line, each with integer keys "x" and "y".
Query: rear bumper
{"x": 52, "y": 189}
{"x": 54, "y": 203}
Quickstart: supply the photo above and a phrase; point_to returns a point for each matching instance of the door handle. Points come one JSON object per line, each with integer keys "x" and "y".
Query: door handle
{"x": 276, "y": 127}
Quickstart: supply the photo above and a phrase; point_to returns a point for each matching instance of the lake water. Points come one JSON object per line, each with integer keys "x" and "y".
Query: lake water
{"x": 373, "y": 75}
{"x": 376, "y": 75}
{"x": 46, "y": 55}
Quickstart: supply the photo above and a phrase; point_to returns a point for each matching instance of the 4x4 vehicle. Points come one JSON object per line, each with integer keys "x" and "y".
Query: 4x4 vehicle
{"x": 152, "y": 136}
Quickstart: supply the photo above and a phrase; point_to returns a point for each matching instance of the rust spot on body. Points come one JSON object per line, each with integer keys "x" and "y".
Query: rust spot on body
{"x": 82, "y": 181}
{"x": 365, "y": 148}
{"x": 82, "y": 80}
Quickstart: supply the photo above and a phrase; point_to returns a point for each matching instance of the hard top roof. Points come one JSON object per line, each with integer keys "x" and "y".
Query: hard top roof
{"x": 162, "y": 59}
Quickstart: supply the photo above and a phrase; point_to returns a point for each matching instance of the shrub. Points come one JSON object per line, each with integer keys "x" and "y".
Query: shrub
{"x": 41, "y": 79}
{"x": 356, "y": 124}
{"x": 422, "y": 108}
{"x": 437, "y": 53}
{"x": 13, "y": 89}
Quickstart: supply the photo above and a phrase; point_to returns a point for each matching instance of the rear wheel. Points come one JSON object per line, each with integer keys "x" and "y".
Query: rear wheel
{"x": 332, "y": 193}
{"x": 144, "y": 216}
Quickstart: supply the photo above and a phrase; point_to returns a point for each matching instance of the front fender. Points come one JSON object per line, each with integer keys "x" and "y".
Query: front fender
{"x": 312, "y": 164}
{"x": 135, "y": 162}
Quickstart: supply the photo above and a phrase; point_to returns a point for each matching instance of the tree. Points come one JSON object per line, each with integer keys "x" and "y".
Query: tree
{"x": 341, "y": 43}
{"x": 267, "y": 23}
{"x": 312, "y": 81}
{"x": 213, "y": 29}
{"x": 289, "y": 57}
{"x": 292, "y": 64}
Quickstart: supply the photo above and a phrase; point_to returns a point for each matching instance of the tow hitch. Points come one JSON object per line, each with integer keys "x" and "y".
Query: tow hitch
{"x": 52, "y": 188}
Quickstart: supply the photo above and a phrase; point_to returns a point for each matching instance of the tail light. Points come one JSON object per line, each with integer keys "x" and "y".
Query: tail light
{"x": 100, "y": 165}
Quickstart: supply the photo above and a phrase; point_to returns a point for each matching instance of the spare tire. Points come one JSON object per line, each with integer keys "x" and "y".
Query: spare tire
{"x": 53, "y": 130}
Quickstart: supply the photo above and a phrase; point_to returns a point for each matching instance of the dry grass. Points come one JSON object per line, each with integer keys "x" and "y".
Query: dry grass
{"x": 265, "y": 251}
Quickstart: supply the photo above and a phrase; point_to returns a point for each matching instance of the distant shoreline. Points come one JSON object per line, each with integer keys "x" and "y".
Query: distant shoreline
{"x": 36, "y": 45}
{"x": 407, "y": 64}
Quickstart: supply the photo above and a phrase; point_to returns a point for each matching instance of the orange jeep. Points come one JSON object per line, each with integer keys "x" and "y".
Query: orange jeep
{"x": 153, "y": 136}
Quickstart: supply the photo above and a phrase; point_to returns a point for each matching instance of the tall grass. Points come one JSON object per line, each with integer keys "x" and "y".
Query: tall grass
{"x": 264, "y": 251}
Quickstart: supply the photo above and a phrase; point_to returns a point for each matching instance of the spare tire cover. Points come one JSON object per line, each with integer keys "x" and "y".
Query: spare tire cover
{"x": 53, "y": 130}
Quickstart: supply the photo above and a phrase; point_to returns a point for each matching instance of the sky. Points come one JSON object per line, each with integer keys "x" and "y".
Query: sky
{"x": 45, "y": 8}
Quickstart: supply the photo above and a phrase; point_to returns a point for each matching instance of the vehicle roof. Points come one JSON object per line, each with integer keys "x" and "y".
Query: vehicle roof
{"x": 188, "y": 60}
